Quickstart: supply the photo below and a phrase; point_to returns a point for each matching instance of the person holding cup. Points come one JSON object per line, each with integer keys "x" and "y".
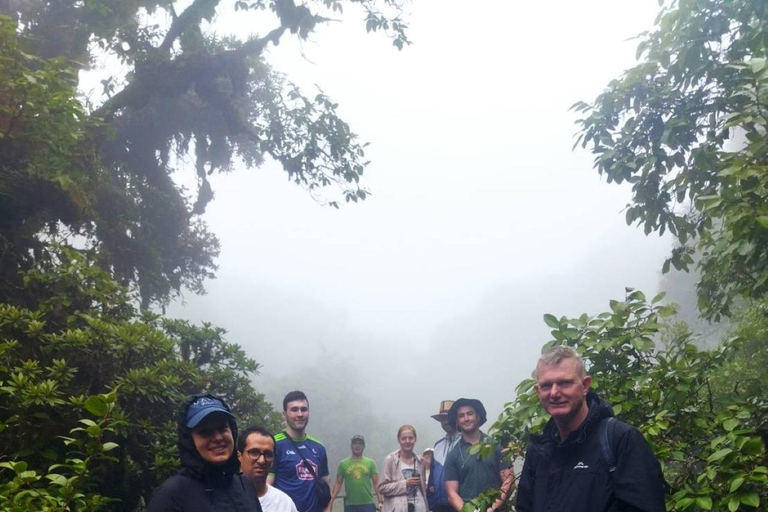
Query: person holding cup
{"x": 402, "y": 480}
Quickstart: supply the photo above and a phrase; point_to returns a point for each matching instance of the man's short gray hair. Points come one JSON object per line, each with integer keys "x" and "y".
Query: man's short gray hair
{"x": 557, "y": 354}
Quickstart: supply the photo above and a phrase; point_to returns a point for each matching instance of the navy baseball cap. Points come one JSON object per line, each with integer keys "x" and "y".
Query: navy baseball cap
{"x": 202, "y": 407}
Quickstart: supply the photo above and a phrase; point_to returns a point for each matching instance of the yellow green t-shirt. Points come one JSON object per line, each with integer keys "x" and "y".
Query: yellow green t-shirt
{"x": 357, "y": 475}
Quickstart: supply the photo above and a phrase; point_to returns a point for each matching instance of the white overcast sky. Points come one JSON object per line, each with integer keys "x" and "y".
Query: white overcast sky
{"x": 482, "y": 219}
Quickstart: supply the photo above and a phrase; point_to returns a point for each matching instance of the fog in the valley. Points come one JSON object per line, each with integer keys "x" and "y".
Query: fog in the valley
{"x": 482, "y": 218}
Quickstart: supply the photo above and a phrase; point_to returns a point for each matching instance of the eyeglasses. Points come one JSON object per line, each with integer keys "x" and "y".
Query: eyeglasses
{"x": 255, "y": 454}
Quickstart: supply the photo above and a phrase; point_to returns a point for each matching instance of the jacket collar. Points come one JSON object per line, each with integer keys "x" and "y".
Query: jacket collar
{"x": 396, "y": 455}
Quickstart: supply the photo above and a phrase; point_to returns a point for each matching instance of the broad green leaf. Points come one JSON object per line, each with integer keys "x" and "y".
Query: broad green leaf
{"x": 730, "y": 424}
{"x": 736, "y": 483}
{"x": 642, "y": 344}
{"x": 96, "y": 405}
{"x": 719, "y": 454}
{"x": 754, "y": 446}
{"x": 751, "y": 499}
{"x": 704, "y": 502}
{"x": 757, "y": 64}
{"x": 17, "y": 467}
{"x": 729, "y": 171}
{"x": 57, "y": 479}
{"x": 551, "y": 321}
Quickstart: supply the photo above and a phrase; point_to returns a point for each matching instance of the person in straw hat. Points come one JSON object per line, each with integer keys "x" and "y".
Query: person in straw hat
{"x": 437, "y": 496}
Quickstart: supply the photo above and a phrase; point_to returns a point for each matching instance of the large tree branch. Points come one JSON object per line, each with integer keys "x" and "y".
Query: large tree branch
{"x": 192, "y": 16}
{"x": 256, "y": 46}
{"x": 175, "y": 76}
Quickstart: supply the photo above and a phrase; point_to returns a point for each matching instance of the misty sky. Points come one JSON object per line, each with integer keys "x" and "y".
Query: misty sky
{"x": 482, "y": 219}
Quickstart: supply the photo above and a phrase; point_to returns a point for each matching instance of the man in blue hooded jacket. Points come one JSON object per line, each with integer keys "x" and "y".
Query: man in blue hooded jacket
{"x": 436, "y": 493}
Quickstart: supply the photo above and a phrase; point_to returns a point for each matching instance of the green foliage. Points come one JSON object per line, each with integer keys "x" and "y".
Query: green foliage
{"x": 686, "y": 127}
{"x": 66, "y": 485}
{"x": 746, "y": 375}
{"x": 482, "y": 501}
{"x": 188, "y": 95}
{"x": 43, "y": 153}
{"x": 680, "y": 289}
{"x": 655, "y": 378}
{"x": 89, "y": 389}
{"x": 89, "y": 385}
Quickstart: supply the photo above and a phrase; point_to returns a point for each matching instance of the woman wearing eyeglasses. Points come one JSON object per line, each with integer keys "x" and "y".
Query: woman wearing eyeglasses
{"x": 402, "y": 480}
{"x": 209, "y": 478}
{"x": 256, "y": 450}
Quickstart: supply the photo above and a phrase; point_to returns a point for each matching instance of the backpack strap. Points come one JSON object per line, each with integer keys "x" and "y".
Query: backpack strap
{"x": 606, "y": 432}
{"x": 304, "y": 461}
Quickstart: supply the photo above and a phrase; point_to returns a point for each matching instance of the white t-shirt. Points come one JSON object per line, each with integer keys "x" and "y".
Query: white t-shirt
{"x": 275, "y": 500}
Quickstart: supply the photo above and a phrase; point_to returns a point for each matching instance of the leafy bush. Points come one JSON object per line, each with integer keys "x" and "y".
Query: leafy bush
{"x": 709, "y": 444}
{"x": 89, "y": 388}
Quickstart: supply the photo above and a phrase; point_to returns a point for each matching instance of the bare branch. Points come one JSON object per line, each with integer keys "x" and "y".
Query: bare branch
{"x": 191, "y": 16}
{"x": 256, "y": 46}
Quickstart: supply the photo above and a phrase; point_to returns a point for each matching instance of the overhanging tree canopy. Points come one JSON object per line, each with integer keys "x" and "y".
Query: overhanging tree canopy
{"x": 687, "y": 128}
{"x": 189, "y": 93}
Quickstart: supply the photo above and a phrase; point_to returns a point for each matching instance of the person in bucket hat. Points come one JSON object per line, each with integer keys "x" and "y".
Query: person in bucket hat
{"x": 475, "y": 404}
{"x": 468, "y": 474}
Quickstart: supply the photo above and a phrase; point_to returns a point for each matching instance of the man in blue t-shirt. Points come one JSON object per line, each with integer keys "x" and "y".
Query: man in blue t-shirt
{"x": 289, "y": 472}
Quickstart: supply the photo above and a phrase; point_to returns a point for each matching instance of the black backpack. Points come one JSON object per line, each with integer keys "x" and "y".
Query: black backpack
{"x": 606, "y": 432}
